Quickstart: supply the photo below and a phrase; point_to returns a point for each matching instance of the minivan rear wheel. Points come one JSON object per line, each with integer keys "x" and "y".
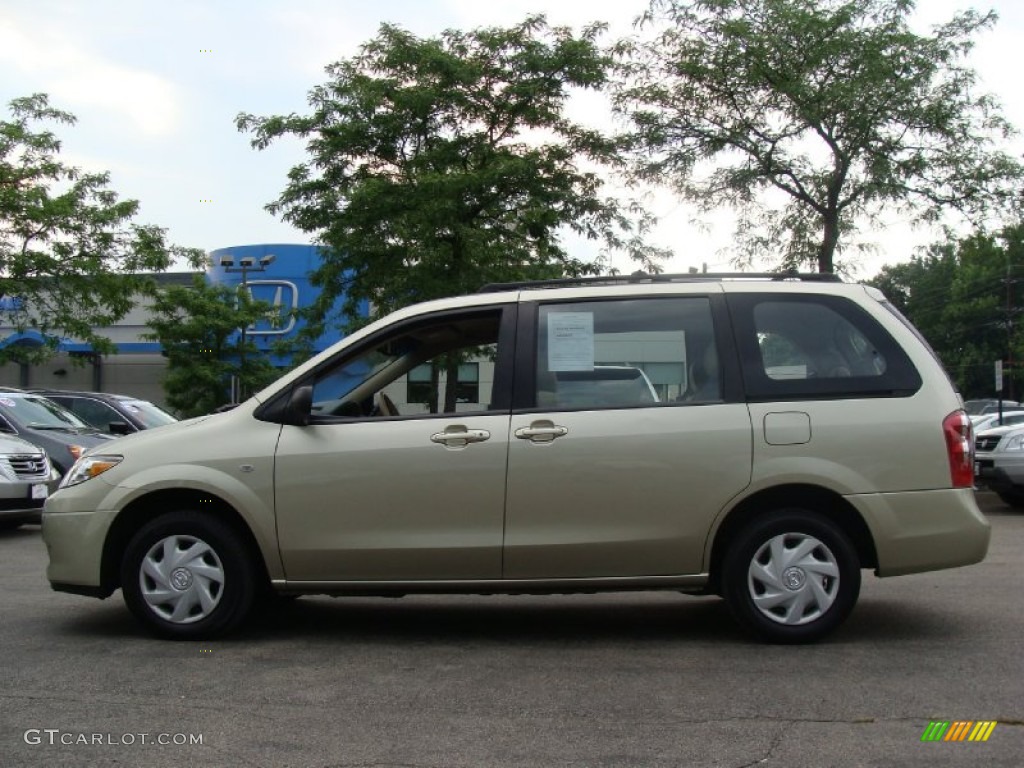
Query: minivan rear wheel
{"x": 791, "y": 577}
{"x": 188, "y": 576}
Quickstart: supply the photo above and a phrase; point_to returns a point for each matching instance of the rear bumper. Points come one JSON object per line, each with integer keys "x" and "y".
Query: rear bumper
{"x": 918, "y": 531}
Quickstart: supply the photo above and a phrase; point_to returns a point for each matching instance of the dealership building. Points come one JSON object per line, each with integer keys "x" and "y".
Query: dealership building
{"x": 275, "y": 273}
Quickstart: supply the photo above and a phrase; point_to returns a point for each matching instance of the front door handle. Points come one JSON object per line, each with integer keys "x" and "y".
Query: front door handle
{"x": 459, "y": 437}
{"x": 541, "y": 432}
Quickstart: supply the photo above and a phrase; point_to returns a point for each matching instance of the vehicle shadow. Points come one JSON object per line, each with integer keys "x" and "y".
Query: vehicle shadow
{"x": 446, "y": 619}
{"x": 501, "y": 619}
{"x": 516, "y": 620}
{"x": 25, "y": 531}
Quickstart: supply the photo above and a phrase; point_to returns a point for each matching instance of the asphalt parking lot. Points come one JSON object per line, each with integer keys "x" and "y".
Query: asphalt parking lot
{"x": 610, "y": 680}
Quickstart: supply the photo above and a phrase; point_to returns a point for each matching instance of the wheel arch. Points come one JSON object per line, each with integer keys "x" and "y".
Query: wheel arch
{"x": 150, "y": 506}
{"x": 812, "y": 498}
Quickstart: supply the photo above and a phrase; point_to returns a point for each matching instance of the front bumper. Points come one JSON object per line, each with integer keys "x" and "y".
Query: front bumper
{"x": 23, "y": 500}
{"x": 1000, "y": 471}
{"x": 918, "y": 531}
{"x": 74, "y": 542}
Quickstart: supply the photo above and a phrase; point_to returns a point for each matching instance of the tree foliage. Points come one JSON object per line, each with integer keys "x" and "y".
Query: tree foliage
{"x": 966, "y": 297}
{"x": 810, "y": 117}
{"x": 440, "y": 164}
{"x": 69, "y": 252}
{"x": 198, "y": 327}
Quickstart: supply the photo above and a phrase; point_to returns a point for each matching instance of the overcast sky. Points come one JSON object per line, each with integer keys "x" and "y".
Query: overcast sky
{"x": 156, "y": 87}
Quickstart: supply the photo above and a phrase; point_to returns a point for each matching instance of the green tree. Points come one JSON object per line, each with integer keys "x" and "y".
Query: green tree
{"x": 965, "y": 297}
{"x": 811, "y": 117}
{"x": 69, "y": 252}
{"x": 198, "y": 327}
{"x": 438, "y": 165}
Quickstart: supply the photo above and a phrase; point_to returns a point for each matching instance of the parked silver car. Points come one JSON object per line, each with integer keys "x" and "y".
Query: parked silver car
{"x": 26, "y": 480}
{"x": 52, "y": 427}
{"x": 983, "y": 421}
{"x": 999, "y": 462}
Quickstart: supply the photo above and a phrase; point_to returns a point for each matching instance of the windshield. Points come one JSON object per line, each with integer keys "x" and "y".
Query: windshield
{"x": 39, "y": 413}
{"x": 150, "y": 415}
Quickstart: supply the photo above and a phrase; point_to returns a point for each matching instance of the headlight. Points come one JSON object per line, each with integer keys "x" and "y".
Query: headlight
{"x": 88, "y": 468}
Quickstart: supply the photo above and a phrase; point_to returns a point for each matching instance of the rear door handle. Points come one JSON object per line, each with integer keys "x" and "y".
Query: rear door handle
{"x": 541, "y": 432}
{"x": 459, "y": 437}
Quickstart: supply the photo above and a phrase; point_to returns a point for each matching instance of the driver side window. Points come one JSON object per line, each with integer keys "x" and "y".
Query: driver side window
{"x": 445, "y": 365}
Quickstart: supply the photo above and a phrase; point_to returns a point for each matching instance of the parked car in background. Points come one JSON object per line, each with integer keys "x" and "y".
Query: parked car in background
{"x": 26, "y": 480}
{"x": 52, "y": 427}
{"x": 999, "y": 462}
{"x": 115, "y": 414}
{"x": 983, "y": 421}
{"x": 603, "y": 385}
{"x": 988, "y": 405}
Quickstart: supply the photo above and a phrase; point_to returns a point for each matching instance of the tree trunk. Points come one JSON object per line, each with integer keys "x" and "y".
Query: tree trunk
{"x": 435, "y": 378}
{"x": 451, "y": 383}
{"x": 829, "y": 238}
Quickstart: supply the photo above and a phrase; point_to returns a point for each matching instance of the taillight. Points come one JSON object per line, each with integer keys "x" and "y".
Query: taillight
{"x": 960, "y": 448}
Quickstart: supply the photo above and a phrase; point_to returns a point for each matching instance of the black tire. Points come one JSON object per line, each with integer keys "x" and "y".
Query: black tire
{"x": 209, "y": 592}
{"x": 1012, "y": 498}
{"x": 814, "y": 602}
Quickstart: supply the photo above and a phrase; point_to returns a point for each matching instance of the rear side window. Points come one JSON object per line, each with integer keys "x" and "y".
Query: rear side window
{"x": 796, "y": 347}
{"x": 626, "y": 353}
{"x": 94, "y": 412}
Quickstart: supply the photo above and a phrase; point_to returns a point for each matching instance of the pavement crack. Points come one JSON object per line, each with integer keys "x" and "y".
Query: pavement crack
{"x": 786, "y": 728}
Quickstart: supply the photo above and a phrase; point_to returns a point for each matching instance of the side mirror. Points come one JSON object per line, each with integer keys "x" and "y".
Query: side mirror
{"x": 120, "y": 428}
{"x": 299, "y": 407}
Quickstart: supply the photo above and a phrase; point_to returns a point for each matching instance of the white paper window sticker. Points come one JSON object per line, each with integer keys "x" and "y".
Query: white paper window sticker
{"x": 570, "y": 341}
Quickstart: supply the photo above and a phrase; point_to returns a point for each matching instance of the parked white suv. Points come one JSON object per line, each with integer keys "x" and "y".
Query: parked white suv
{"x": 999, "y": 462}
{"x": 786, "y": 433}
{"x": 26, "y": 479}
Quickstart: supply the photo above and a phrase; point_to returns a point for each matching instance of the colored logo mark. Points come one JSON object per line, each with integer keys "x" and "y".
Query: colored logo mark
{"x": 283, "y": 298}
{"x": 958, "y": 730}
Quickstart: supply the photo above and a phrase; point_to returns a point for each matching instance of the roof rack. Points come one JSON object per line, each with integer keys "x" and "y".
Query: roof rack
{"x": 643, "y": 277}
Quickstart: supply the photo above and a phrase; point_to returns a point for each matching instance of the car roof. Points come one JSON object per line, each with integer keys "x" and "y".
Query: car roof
{"x": 644, "y": 278}
{"x": 994, "y": 415}
{"x": 86, "y": 393}
{"x": 1000, "y": 431}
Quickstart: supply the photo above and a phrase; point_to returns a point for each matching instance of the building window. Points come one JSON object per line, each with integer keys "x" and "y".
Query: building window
{"x": 419, "y": 389}
{"x": 467, "y": 387}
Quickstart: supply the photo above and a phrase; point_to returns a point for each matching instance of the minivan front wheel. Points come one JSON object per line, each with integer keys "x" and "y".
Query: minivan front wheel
{"x": 791, "y": 577}
{"x": 187, "y": 576}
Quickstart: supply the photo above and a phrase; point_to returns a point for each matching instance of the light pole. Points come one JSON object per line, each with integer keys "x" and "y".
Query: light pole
{"x": 246, "y": 264}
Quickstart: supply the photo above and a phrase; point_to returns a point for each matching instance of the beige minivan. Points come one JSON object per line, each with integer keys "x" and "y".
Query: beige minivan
{"x": 759, "y": 438}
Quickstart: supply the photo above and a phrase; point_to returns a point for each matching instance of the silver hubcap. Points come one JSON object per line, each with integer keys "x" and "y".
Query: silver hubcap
{"x": 182, "y": 579}
{"x": 793, "y": 578}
